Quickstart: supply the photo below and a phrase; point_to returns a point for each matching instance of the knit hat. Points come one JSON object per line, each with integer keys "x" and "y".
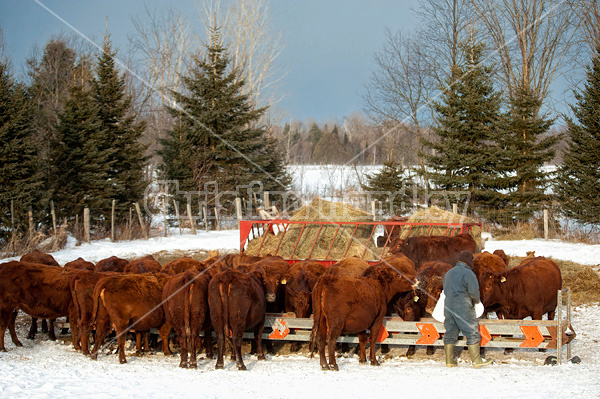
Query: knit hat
{"x": 466, "y": 257}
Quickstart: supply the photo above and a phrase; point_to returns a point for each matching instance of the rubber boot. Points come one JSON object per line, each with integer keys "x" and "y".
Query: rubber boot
{"x": 449, "y": 351}
{"x": 476, "y": 357}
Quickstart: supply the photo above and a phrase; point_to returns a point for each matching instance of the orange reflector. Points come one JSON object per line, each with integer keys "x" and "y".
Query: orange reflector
{"x": 485, "y": 335}
{"x": 429, "y": 334}
{"x": 533, "y": 337}
{"x": 383, "y": 334}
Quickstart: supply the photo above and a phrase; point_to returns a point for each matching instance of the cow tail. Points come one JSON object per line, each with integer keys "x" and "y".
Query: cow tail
{"x": 314, "y": 334}
{"x": 98, "y": 293}
{"x": 224, "y": 293}
{"x": 187, "y": 298}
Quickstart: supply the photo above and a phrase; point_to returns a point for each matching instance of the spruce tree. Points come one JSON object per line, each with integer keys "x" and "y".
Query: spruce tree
{"x": 528, "y": 148}
{"x": 83, "y": 165}
{"x": 20, "y": 175}
{"x": 466, "y": 155}
{"x": 216, "y": 137}
{"x": 122, "y": 132}
{"x": 578, "y": 183}
{"x": 392, "y": 186}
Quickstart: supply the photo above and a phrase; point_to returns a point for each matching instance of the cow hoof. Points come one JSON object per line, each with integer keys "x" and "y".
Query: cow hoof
{"x": 183, "y": 365}
{"x": 218, "y": 366}
{"x": 122, "y": 361}
{"x": 242, "y": 368}
{"x": 430, "y": 351}
{"x": 3, "y": 350}
{"x": 262, "y": 357}
{"x": 325, "y": 367}
{"x": 362, "y": 361}
{"x": 30, "y": 336}
{"x": 193, "y": 366}
{"x": 334, "y": 367}
{"x": 18, "y": 344}
{"x": 375, "y": 363}
{"x": 550, "y": 361}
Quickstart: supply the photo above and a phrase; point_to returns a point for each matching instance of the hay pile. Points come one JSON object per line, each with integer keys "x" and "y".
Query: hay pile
{"x": 436, "y": 215}
{"x": 583, "y": 281}
{"x": 320, "y": 210}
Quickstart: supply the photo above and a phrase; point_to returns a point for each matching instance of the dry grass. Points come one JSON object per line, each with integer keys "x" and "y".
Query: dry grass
{"x": 583, "y": 280}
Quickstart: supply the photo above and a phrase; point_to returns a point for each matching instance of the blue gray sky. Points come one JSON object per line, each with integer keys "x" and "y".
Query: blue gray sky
{"x": 329, "y": 44}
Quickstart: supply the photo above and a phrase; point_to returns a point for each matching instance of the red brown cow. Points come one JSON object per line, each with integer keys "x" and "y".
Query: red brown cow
{"x": 181, "y": 265}
{"x": 132, "y": 301}
{"x": 502, "y": 255}
{"x": 391, "y": 232}
{"x": 299, "y": 282}
{"x": 40, "y": 258}
{"x": 237, "y": 303}
{"x": 185, "y": 302}
{"x": 147, "y": 264}
{"x": 413, "y": 305}
{"x": 429, "y": 248}
{"x": 354, "y": 305}
{"x": 349, "y": 267}
{"x": 79, "y": 264}
{"x": 112, "y": 264}
{"x": 529, "y": 289}
{"x": 39, "y": 290}
{"x": 275, "y": 269}
{"x": 487, "y": 263}
{"x": 82, "y": 284}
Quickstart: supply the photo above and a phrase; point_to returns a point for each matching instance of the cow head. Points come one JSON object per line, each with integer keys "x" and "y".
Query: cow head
{"x": 490, "y": 287}
{"x": 297, "y": 299}
{"x": 273, "y": 283}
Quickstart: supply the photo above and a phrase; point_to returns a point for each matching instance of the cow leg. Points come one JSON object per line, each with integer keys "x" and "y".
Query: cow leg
{"x": 11, "y": 329}
{"x": 373, "y": 333}
{"x": 258, "y": 330}
{"x": 220, "y": 348}
{"x": 362, "y": 347}
{"x": 145, "y": 343}
{"x": 208, "y": 343}
{"x": 44, "y": 326}
{"x": 164, "y": 332}
{"x": 75, "y": 333}
{"x": 322, "y": 331}
{"x": 183, "y": 346}
{"x": 33, "y": 329}
{"x": 138, "y": 343}
{"x": 237, "y": 348}
{"x": 65, "y": 330}
{"x": 430, "y": 350}
{"x": 193, "y": 348}
{"x": 102, "y": 327}
{"x": 50, "y": 329}
{"x": 332, "y": 336}
{"x": 121, "y": 338}
{"x": 5, "y": 317}
{"x": 411, "y": 350}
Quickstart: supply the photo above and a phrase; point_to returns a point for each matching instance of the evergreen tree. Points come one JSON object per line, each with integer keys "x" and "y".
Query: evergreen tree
{"x": 527, "y": 151}
{"x": 466, "y": 156}
{"x": 82, "y": 178}
{"x": 393, "y": 187}
{"x": 578, "y": 183}
{"x": 122, "y": 132}
{"x": 20, "y": 175}
{"x": 329, "y": 149}
{"x": 216, "y": 123}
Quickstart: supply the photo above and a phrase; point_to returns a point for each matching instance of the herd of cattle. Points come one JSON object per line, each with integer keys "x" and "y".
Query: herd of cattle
{"x": 231, "y": 294}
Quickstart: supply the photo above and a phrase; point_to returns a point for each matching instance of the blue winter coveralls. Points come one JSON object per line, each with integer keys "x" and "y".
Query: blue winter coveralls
{"x": 462, "y": 293}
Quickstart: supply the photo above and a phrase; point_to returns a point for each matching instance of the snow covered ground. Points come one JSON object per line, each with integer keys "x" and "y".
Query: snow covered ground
{"x": 45, "y": 369}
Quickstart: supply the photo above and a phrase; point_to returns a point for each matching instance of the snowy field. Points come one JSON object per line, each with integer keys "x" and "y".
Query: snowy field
{"x": 45, "y": 369}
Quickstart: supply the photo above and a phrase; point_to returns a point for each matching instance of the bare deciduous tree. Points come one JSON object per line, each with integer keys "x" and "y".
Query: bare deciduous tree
{"x": 588, "y": 13}
{"x": 163, "y": 43}
{"x": 399, "y": 91}
{"x": 532, "y": 39}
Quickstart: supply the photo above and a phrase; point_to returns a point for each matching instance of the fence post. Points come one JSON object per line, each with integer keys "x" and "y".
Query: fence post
{"x": 238, "y": 210}
{"x": 112, "y": 221}
{"x": 217, "y": 221}
{"x": 139, "y": 213}
{"x": 205, "y": 213}
{"x": 130, "y": 224}
{"x": 190, "y": 218}
{"x": 176, "y": 206}
{"x": 373, "y": 209}
{"x": 30, "y": 219}
{"x": 86, "y": 224}
{"x": 455, "y": 208}
{"x": 164, "y": 216}
{"x": 267, "y": 203}
{"x": 53, "y": 217}
{"x": 546, "y": 224}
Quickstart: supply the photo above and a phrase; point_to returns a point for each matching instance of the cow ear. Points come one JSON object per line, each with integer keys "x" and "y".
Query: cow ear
{"x": 502, "y": 279}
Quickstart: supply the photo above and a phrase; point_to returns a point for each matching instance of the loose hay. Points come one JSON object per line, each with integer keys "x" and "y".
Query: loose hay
{"x": 345, "y": 241}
